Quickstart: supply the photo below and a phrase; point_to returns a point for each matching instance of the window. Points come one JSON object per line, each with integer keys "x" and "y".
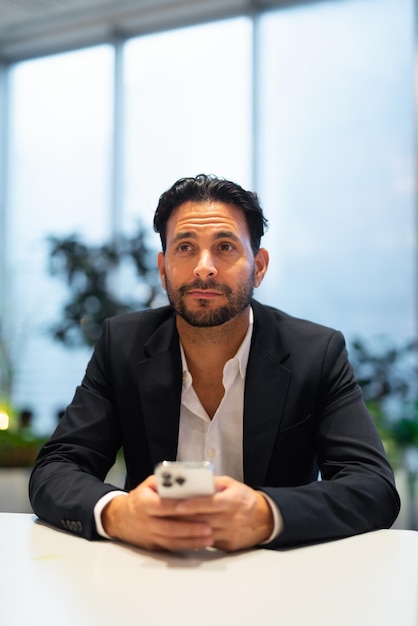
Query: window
{"x": 337, "y": 163}
{"x": 188, "y": 109}
{"x": 59, "y": 184}
{"x": 333, "y": 156}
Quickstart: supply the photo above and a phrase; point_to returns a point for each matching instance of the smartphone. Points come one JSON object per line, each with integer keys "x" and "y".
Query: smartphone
{"x": 177, "y": 479}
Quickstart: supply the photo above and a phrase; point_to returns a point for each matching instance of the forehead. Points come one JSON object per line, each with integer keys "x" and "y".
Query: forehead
{"x": 207, "y": 216}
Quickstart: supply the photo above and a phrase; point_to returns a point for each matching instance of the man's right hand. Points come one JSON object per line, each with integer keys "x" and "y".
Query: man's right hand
{"x": 142, "y": 518}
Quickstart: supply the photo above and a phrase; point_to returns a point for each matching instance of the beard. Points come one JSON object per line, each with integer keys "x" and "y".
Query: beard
{"x": 205, "y": 316}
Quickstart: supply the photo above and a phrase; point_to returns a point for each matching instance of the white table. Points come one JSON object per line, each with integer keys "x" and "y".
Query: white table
{"x": 48, "y": 577}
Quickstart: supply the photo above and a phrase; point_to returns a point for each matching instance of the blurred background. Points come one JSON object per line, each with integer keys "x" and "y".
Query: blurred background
{"x": 105, "y": 103}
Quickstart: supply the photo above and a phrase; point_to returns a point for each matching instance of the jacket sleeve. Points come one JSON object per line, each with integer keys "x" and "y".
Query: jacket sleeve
{"x": 67, "y": 479}
{"x": 356, "y": 491}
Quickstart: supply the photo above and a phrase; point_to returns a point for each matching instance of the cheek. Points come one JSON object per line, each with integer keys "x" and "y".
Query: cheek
{"x": 173, "y": 275}
{"x": 236, "y": 274}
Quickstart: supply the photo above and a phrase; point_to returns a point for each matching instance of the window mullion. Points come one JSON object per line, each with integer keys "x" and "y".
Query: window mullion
{"x": 4, "y": 114}
{"x": 117, "y": 154}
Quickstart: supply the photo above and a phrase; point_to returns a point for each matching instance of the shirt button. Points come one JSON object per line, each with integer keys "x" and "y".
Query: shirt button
{"x": 212, "y": 452}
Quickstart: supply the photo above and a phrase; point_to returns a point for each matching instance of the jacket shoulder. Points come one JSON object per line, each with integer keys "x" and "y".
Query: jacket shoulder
{"x": 132, "y": 331}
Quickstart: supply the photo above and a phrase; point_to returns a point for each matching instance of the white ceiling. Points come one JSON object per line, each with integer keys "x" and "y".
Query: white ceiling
{"x": 34, "y": 27}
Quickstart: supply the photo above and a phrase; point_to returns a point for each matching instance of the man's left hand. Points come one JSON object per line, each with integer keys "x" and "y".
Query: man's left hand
{"x": 239, "y": 516}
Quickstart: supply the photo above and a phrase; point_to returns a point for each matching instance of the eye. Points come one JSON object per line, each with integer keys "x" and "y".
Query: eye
{"x": 226, "y": 247}
{"x": 184, "y": 247}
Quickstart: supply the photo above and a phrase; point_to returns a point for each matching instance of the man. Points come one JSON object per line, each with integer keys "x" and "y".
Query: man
{"x": 268, "y": 398}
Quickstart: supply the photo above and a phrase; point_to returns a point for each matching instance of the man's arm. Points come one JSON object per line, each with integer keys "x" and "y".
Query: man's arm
{"x": 356, "y": 492}
{"x": 68, "y": 477}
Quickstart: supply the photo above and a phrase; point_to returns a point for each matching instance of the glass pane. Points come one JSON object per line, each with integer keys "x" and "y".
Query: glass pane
{"x": 337, "y": 163}
{"x": 188, "y": 105}
{"x": 59, "y": 184}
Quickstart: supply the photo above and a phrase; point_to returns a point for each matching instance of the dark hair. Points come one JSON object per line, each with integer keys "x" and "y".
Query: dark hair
{"x": 204, "y": 188}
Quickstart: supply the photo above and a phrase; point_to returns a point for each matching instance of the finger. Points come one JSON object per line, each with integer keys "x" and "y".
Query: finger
{"x": 205, "y": 505}
{"x": 179, "y": 535}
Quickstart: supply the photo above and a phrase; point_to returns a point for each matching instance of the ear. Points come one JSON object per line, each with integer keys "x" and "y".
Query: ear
{"x": 261, "y": 262}
{"x": 161, "y": 268}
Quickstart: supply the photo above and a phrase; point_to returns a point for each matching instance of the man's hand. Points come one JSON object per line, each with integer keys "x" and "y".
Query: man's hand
{"x": 239, "y": 516}
{"x": 235, "y": 518}
{"x": 144, "y": 519}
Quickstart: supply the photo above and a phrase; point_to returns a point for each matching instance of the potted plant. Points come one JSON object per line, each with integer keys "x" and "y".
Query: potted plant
{"x": 19, "y": 446}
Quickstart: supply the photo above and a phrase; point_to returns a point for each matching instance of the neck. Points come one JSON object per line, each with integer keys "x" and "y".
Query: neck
{"x": 218, "y": 342}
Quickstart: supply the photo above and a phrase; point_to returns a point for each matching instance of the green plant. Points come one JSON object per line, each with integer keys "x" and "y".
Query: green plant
{"x": 19, "y": 448}
{"x": 97, "y": 277}
{"x": 388, "y": 377}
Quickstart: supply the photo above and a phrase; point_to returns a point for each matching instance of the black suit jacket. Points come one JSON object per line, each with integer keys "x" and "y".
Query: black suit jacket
{"x": 303, "y": 411}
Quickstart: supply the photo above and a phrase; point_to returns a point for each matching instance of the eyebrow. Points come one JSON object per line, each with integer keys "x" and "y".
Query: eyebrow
{"x": 223, "y": 234}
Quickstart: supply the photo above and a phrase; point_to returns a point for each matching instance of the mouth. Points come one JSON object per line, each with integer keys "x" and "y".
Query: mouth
{"x": 204, "y": 290}
{"x": 203, "y": 294}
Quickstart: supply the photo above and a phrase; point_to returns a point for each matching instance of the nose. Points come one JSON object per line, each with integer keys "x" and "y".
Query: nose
{"x": 205, "y": 267}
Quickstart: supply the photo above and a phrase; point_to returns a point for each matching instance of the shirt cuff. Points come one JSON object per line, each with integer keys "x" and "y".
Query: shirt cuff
{"x": 277, "y": 520}
{"x": 98, "y": 509}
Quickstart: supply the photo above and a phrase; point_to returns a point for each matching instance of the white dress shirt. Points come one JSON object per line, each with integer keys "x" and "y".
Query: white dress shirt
{"x": 218, "y": 440}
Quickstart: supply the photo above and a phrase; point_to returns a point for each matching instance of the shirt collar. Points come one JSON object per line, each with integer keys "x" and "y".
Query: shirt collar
{"x": 244, "y": 349}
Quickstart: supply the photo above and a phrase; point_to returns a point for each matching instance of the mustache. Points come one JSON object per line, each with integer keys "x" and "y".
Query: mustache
{"x": 205, "y": 284}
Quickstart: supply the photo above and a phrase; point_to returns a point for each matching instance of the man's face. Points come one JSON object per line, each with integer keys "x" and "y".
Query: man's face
{"x": 209, "y": 270}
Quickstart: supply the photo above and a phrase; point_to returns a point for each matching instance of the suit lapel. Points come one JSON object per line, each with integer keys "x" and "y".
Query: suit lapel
{"x": 267, "y": 382}
{"x": 159, "y": 380}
